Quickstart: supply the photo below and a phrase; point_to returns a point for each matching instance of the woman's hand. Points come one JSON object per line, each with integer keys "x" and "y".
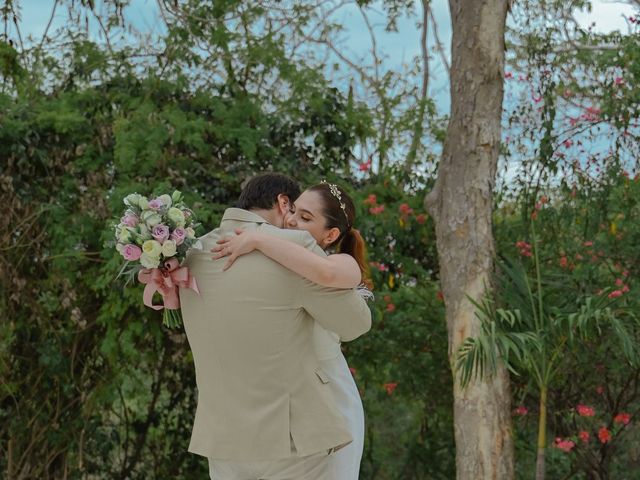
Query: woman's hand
{"x": 233, "y": 247}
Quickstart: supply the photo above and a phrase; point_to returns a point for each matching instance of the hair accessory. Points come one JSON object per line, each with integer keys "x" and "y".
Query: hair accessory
{"x": 335, "y": 191}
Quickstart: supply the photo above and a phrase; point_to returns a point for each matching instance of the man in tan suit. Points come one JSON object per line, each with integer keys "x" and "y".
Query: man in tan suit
{"x": 265, "y": 410}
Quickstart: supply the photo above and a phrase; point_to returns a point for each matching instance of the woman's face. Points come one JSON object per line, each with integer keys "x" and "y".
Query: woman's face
{"x": 306, "y": 214}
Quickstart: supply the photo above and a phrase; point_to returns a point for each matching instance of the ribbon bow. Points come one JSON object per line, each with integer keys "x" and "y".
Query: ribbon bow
{"x": 166, "y": 281}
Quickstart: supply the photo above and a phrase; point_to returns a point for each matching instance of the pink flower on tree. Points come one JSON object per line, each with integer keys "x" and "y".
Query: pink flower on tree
{"x": 390, "y": 387}
{"x": 521, "y": 411}
{"x": 421, "y": 218}
{"x": 564, "y": 445}
{"x": 615, "y": 294}
{"x": 623, "y": 418}
{"x": 584, "y": 436}
{"x": 405, "y": 209}
{"x": 376, "y": 210}
{"x": 585, "y": 411}
{"x": 604, "y": 435}
{"x": 371, "y": 200}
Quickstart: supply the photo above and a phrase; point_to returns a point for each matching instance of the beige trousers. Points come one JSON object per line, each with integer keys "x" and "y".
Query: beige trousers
{"x": 311, "y": 467}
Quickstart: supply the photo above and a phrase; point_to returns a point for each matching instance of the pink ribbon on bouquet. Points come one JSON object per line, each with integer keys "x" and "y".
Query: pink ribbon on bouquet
{"x": 166, "y": 281}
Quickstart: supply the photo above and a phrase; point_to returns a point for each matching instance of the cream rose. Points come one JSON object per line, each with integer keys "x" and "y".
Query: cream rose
{"x": 148, "y": 261}
{"x": 151, "y": 218}
{"x": 191, "y": 233}
{"x": 176, "y": 216}
{"x": 169, "y": 248}
{"x": 166, "y": 199}
{"x": 152, "y": 248}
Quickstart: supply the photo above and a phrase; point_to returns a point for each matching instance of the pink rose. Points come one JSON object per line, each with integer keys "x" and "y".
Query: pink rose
{"x": 178, "y": 235}
{"x": 129, "y": 220}
{"x": 160, "y": 233}
{"x": 131, "y": 252}
{"x": 156, "y": 204}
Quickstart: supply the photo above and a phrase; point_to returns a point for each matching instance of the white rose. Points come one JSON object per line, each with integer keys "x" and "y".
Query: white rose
{"x": 191, "y": 233}
{"x": 143, "y": 202}
{"x": 148, "y": 261}
{"x": 119, "y": 247}
{"x": 152, "y": 248}
{"x": 176, "y": 216}
{"x": 151, "y": 218}
{"x": 144, "y": 232}
{"x": 169, "y": 248}
{"x": 166, "y": 199}
{"x": 132, "y": 199}
{"x": 124, "y": 236}
{"x": 176, "y": 196}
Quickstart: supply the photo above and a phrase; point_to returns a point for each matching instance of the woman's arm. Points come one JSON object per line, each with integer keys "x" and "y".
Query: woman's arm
{"x": 338, "y": 271}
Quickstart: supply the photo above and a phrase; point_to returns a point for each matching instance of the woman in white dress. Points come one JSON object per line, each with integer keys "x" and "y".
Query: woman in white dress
{"x": 327, "y": 213}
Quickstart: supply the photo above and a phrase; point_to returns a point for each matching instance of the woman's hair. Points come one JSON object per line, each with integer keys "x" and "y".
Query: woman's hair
{"x": 340, "y": 212}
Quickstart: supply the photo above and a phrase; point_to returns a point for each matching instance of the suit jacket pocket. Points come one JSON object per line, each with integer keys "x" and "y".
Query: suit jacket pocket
{"x": 324, "y": 378}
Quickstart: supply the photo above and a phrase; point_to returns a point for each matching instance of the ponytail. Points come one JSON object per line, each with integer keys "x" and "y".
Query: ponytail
{"x": 353, "y": 244}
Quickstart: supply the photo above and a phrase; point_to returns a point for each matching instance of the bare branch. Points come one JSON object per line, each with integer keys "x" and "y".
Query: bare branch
{"x": 439, "y": 46}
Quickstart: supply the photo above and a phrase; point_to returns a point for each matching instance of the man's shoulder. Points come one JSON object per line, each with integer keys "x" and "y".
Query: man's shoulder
{"x": 301, "y": 237}
{"x": 298, "y": 236}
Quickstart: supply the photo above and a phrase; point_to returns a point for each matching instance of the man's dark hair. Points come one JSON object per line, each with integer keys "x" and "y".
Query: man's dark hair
{"x": 261, "y": 191}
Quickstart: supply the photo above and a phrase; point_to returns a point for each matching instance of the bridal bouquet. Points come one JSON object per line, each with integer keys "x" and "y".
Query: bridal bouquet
{"x": 154, "y": 236}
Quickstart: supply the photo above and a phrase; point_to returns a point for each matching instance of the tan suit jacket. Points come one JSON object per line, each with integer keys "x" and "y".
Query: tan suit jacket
{"x": 259, "y": 381}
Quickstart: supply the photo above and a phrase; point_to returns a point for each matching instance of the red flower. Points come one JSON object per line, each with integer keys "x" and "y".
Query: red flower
{"x": 588, "y": 243}
{"x": 421, "y": 218}
{"x": 615, "y": 294}
{"x": 521, "y": 411}
{"x": 387, "y": 298}
{"x": 623, "y": 418}
{"x": 534, "y": 215}
{"x": 371, "y": 200}
{"x": 625, "y": 289}
{"x": 585, "y": 411}
{"x": 391, "y": 307}
{"x": 365, "y": 166}
{"x": 390, "y": 387}
{"x": 584, "y": 436}
{"x": 376, "y": 210}
{"x": 564, "y": 263}
{"x": 524, "y": 247}
{"x": 619, "y": 282}
{"x": 604, "y": 435}
{"x": 380, "y": 266}
{"x": 405, "y": 209}
{"x": 564, "y": 445}
{"x": 508, "y": 75}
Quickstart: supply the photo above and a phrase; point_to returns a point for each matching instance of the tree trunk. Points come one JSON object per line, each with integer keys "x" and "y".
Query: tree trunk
{"x": 461, "y": 204}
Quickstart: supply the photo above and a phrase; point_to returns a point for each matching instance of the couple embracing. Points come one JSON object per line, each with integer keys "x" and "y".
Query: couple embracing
{"x": 276, "y": 399}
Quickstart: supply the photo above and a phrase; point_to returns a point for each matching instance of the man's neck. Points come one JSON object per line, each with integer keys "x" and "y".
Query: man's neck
{"x": 269, "y": 215}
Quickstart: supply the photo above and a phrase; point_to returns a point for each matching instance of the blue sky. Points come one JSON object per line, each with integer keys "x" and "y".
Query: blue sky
{"x": 397, "y": 47}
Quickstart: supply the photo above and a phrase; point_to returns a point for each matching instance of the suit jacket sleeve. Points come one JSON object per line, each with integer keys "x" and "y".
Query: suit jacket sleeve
{"x": 342, "y": 311}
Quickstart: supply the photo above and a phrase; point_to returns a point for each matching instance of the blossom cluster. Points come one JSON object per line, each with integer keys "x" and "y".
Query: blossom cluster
{"x": 156, "y": 230}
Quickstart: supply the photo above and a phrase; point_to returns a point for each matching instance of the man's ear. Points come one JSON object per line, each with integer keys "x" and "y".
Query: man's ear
{"x": 283, "y": 203}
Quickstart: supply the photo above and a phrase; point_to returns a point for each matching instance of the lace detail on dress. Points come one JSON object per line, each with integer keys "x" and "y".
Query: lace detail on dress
{"x": 365, "y": 293}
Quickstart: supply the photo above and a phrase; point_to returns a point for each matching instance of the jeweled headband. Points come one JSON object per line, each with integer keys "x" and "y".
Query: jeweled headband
{"x": 335, "y": 191}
